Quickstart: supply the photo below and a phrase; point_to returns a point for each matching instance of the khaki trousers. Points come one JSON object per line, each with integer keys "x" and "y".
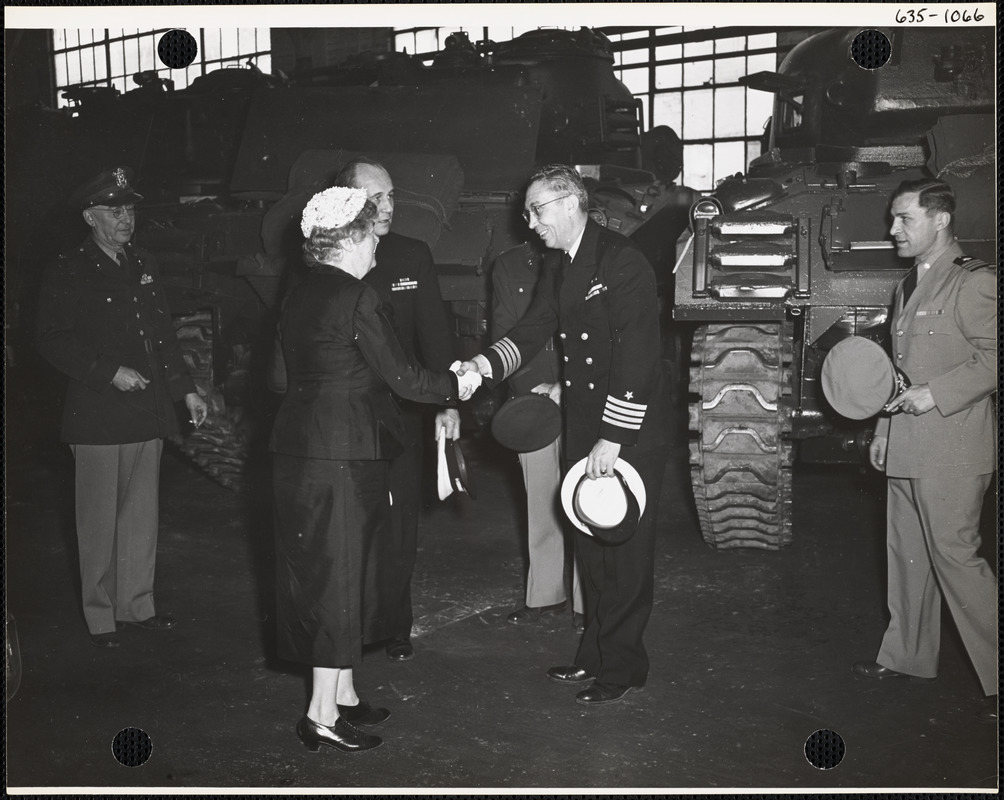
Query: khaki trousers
{"x": 932, "y": 542}
{"x": 117, "y": 510}
{"x": 545, "y": 581}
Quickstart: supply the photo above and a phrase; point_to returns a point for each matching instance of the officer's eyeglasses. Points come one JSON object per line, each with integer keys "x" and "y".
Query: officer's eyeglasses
{"x": 117, "y": 211}
{"x": 534, "y": 210}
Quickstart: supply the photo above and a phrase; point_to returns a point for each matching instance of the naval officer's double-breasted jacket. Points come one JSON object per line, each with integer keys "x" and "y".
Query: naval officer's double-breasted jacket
{"x": 604, "y": 308}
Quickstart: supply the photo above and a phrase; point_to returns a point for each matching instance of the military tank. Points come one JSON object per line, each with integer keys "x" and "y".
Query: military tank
{"x": 782, "y": 262}
{"x": 227, "y": 164}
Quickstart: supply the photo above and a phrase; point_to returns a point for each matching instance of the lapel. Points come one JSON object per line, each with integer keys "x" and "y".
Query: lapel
{"x": 107, "y": 266}
{"x": 576, "y": 282}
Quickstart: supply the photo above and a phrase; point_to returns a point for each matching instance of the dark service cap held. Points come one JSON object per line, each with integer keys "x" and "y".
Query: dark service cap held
{"x": 113, "y": 187}
{"x": 527, "y": 423}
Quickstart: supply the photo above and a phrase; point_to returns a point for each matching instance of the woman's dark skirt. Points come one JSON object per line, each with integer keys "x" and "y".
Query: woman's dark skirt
{"x": 324, "y": 511}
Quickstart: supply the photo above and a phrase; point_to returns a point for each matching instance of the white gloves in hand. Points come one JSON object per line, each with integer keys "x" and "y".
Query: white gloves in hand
{"x": 468, "y": 382}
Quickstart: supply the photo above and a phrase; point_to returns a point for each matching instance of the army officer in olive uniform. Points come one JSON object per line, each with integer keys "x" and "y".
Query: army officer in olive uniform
{"x": 598, "y": 292}
{"x": 104, "y": 322}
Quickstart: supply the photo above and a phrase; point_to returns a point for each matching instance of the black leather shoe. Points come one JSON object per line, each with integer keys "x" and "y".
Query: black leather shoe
{"x": 341, "y": 736}
{"x": 400, "y": 650}
{"x": 872, "y": 669}
{"x": 570, "y": 674}
{"x": 600, "y": 693}
{"x": 579, "y": 622}
{"x": 105, "y": 639}
{"x": 532, "y": 614}
{"x": 160, "y": 622}
{"x": 363, "y": 714}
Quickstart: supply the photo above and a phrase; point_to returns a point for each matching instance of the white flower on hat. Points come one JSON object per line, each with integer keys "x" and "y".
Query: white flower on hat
{"x": 332, "y": 208}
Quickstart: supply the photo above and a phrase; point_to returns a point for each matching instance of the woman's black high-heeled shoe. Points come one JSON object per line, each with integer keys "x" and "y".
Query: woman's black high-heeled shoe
{"x": 342, "y": 736}
{"x": 363, "y": 714}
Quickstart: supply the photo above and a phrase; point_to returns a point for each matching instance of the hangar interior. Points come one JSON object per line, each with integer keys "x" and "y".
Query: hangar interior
{"x": 754, "y": 628}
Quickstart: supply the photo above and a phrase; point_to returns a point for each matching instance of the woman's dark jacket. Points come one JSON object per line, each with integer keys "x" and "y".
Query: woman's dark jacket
{"x": 343, "y": 366}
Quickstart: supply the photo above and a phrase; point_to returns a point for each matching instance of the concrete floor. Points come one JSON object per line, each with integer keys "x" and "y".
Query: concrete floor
{"x": 750, "y": 651}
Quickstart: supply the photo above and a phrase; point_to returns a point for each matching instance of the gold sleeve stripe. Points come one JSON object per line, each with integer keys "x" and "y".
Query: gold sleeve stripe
{"x": 508, "y": 353}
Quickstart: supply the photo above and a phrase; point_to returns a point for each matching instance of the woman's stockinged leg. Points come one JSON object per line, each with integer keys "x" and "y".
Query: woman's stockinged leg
{"x": 346, "y": 691}
{"x": 323, "y": 706}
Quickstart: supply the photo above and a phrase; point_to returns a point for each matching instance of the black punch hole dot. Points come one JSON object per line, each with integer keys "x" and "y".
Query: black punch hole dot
{"x": 871, "y": 49}
{"x": 177, "y": 49}
{"x": 132, "y": 747}
{"x": 824, "y": 749}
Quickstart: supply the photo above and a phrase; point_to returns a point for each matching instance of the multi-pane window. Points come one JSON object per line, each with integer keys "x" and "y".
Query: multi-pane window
{"x": 111, "y": 56}
{"x": 687, "y": 79}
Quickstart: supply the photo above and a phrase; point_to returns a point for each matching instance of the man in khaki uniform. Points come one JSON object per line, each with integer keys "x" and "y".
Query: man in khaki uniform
{"x": 939, "y": 454}
{"x": 514, "y": 281}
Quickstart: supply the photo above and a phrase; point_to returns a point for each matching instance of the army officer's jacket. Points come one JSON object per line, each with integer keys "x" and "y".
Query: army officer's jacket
{"x": 343, "y": 365}
{"x": 946, "y": 336}
{"x": 96, "y": 316}
{"x": 604, "y": 308}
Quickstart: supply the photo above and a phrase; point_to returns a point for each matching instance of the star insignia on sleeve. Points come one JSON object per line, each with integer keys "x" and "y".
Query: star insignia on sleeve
{"x": 629, "y": 395}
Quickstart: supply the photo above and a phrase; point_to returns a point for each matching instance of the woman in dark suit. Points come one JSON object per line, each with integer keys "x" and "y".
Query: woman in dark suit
{"x": 334, "y": 434}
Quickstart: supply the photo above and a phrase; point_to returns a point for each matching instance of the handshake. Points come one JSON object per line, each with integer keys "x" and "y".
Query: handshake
{"x": 468, "y": 378}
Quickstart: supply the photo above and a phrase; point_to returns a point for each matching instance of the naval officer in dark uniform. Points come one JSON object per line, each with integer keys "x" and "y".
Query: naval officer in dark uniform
{"x": 104, "y": 322}
{"x": 406, "y": 278}
{"x": 598, "y": 292}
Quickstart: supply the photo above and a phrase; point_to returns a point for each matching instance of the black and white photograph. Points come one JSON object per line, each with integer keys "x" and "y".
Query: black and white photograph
{"x": 501, "y": 398}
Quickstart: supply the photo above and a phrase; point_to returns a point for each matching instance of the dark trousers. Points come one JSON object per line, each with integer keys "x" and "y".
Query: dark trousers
{"x": 618, "y": 586}
{"x": 390, "y": 556}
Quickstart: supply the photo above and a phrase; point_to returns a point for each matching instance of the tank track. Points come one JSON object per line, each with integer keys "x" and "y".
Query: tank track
{"x": 220, "y": 445}
{"x": 740, "y": 418}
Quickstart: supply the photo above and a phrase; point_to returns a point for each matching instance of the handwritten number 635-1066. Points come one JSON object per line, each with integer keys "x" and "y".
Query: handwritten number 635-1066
{"x": 924, "y": 14}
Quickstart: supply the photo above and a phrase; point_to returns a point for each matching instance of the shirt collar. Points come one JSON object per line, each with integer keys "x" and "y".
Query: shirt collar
{"x": 924, "y": 266}
{"x": 108, "y": 252}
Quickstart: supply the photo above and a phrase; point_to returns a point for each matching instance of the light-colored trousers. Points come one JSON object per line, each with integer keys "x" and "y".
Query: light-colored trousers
{"x": 117, "y": 510}
{"x": 932, "y": 542}
{"x": 545, "y": 582}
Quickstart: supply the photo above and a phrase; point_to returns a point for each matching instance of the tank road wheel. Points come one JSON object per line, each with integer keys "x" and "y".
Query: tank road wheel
{"x": 220, "y": 445}
{"x": 740, "y": 418}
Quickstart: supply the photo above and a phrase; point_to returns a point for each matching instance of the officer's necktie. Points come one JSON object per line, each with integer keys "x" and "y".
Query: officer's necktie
{"x": 123, "y": 262}
{"x": 909, "y": 285}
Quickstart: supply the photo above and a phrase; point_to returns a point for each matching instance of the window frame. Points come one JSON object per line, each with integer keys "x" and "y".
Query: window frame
{"x": 626, "y": 39}
{"x": 104, "y": 45}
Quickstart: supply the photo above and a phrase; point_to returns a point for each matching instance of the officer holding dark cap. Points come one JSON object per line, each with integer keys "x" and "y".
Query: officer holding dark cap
{"x": 939, "y": 454}
{"x": 104, "y": 322}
